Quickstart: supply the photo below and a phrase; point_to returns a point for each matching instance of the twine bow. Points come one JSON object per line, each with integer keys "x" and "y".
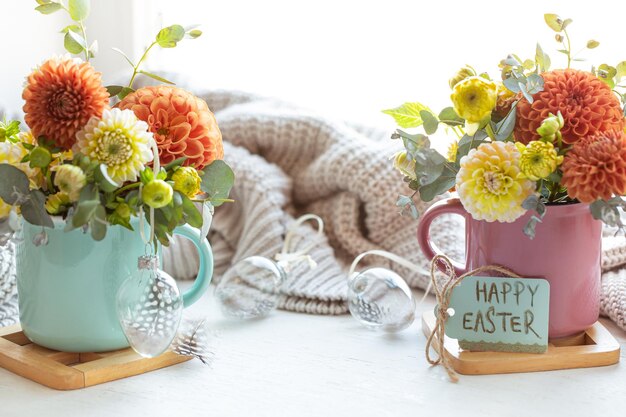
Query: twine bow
{"x": 443, "y": 294}
{"x": 287, "y": 256}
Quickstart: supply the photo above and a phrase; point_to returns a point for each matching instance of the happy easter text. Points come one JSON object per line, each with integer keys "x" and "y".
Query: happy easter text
{"x": 498, "y": 319}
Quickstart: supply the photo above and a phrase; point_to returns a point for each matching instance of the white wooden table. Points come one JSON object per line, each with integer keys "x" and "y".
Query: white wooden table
{"x": 299, "y": 365}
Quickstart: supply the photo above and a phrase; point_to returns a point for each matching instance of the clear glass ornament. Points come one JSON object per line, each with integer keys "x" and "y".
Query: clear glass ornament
{"x": 251, "y": 288}
{"x": 149, "y": 308}
{"x": 380, "y": 299}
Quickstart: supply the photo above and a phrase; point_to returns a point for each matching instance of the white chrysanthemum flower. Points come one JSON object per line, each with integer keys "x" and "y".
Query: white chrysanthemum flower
{"x": 119, "y": 140}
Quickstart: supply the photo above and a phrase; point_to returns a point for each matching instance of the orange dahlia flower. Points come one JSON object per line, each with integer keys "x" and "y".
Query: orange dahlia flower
{"x": 595, "y": 167}
{"x": 60, "y": 98}
{"x": 587, "y": 104}
{"x": 181, "y": 123}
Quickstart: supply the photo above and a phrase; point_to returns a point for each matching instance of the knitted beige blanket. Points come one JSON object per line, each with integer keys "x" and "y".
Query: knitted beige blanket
{"x": 288, "y": 162}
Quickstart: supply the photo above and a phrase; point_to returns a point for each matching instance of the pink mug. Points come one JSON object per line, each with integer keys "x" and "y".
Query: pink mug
{"x": 566, "y": 251}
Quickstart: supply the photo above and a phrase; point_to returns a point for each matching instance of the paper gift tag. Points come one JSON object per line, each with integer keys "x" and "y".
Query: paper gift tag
{"x": 500, "y": 314}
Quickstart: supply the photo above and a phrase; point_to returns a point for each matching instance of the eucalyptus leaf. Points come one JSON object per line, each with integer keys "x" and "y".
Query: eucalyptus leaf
{"x": 430, "y": 122}
{"x": 441, "y": 185}
{"x": 512, "y": 84}
{"x": 505, "y": 127}
{"x": 207, "y": 218}
{"x": 542, "y": 59}
{"x": 168, "y": 37}
{"x": 534, "y": 83}
{"x": 34, "y": 211}
{"x": 407, "y": 115}
{"x": 73, "y": 28}
{"x": 77, "y": 38}
{"x": 125, "y": 91}
{"x": 14, "y": 184}
{"x": 406, "y": 203}
{"x": 98, "y": 225}
{"x": 530, "y": 227}
{"x": 156, "y": 77}
{"x": 217, "y": 180}
{"x": 449, "y": 117}
{"x": 591, "y": 44}
{"x": 48, "y": 8}
{"x": 114, "y": 90}
{"x": 194, "y": 34}
{"x": 192, "y": 214}
{"x": 119, "y": 51}
{"x": 620, "y": 70}
{"x": 79, "y": 9}
{"x": 553, "y": 21}
{"x": 71, "y": 45}
{"x": 175, "y": 163}
{"x": 525, "y": 93}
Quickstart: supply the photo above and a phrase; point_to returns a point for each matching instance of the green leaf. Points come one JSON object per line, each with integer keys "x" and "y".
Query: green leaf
{"x": 534, "y": 84}
{"x": 542, "y": 59}
{"x": 620, "y": 70}
{"x": 505, "y": 127}
{"x": 441, "y": 185}
{"x": 192, "y": 214}
{"x": 553, "y": 21}
{"x": 43, "y": 1}
{"x": 430, "y": 122}
{"x": 14, "y": 184}
{"x": 168, "y": 37}
{"x": 48, "y": 8}
{"x": 34, "y": 211}
{"x": 175, "y": 163}
{"x": 114, "y": 90}
{"x": 407, "y": 115}
{"x": 79, "y": 9}
{"x": 85, "y": 211}
{"x": 217, "y": 181}
{"x": 512, "y": 84}
{"x": 71, "y": 44}
{"x": 449, "y": 117}
{"x": 156, "y": 77}
{"x": 405, "y": 203}
{"x": 73, "y": 28}
{"x": 98, "y": 225}
{"x": 194, "y": 34}
{"x": 125, "y": 91}
{"x": 119, "y": 51}
{"x": 566, "y": 23}
{"x": 592, "y": 44}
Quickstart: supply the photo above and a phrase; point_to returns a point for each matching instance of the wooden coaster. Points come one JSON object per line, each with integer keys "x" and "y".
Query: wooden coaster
{"x": 67, "y": 370}
{"x": 595, "y": 347}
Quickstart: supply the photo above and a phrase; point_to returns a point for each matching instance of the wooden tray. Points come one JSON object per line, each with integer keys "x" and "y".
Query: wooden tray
{"x": 67, "y": 370}
{"x": 595, "y": 347}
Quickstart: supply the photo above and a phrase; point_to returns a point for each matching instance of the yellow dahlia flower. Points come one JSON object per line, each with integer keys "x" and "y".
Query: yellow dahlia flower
{"x": 70, "y": 180}
{"x": 538, "y": 159}
{"x": 490, "y": 185}
{"x": 187, "y": 181}
{"x": 119, "y": 140}
{"x": 474, "y": 98}
{"x": 55, "y": 203}
{"x": 405, "y": 166}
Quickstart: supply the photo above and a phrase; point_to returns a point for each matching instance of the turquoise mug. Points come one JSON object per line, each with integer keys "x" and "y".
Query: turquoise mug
{"x": 67, "y": 289}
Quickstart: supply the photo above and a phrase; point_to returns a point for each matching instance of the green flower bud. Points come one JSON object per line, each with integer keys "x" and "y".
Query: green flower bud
{"x": 157, "y": 194}
{"x": 461, "y": 74}
{"x": 40, "y": 157}
{"x": 550, "y": 128}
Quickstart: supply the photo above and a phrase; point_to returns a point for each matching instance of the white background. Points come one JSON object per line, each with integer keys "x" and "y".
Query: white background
{"x": 349, "y": 59}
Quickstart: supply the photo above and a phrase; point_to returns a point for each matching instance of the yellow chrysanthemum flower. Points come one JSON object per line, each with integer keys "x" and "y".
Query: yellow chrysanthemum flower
{"x": 187, "y": 181}
{"x": 70, "y": 179}
{"x": 452, "y": 151}
{"x": 119, "y": 140}
{"x": 538, "y": 159}
{"x": 490, "y": 185}
{"x": 405, "y": 166}
{"x": 474, "y": 98}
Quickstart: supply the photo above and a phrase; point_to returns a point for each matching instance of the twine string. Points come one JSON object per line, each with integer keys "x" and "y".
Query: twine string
{"x": 436, "y": 339}
{"x": 287, "y": 257}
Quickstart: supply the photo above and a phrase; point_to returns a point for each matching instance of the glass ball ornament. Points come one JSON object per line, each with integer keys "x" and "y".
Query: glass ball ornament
{"x": 149, "y": 308}
{"x": 381, "y": 300}
{"x": 251, "y": 288}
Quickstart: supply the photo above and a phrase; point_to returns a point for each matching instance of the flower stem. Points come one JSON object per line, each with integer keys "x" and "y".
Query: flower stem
{"x": 136, "y": 67}
{"x": 569, "y": 48}
{"x": 490, "y": 132}
{"x": 127, "y": 187}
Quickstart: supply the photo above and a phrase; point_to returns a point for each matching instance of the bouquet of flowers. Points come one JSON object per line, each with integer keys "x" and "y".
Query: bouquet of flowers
{"x": 97, "y": 156}
{"x": 534, "y": 137}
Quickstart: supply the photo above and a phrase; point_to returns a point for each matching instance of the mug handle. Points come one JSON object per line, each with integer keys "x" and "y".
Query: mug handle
{"x": 430, "y": 250}
{"x": 205, "y": 272}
